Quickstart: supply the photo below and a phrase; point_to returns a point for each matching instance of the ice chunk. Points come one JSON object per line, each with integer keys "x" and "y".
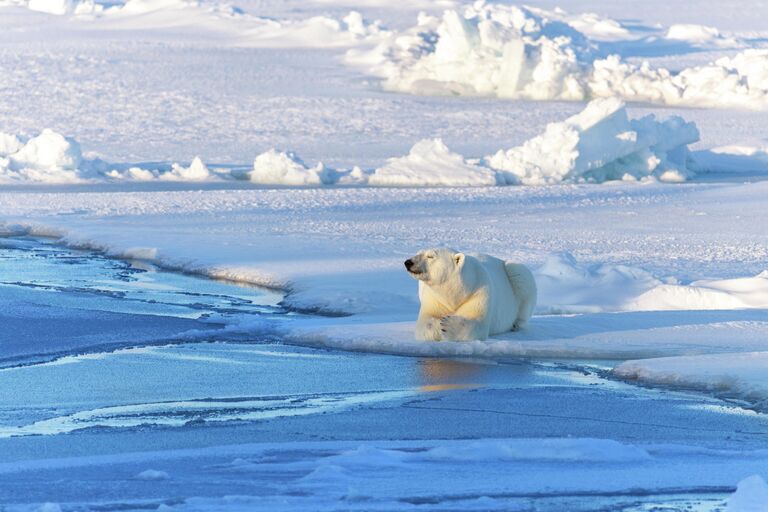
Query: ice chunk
{"x": 598, "y": 144}
{"x": 513, "y": 52}
{"x": 50, "y": 157}
{"x": 197, "y": 171}
{"x": 280, "y": 168}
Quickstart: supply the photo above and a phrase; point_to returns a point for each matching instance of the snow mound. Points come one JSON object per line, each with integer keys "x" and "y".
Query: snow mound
{"x": 597, "y": 27}
{"x": 431, "y": 163}
{"x": 739, "y": 375}
{"x": 739, "y": 293}
{"x": 699, "y": 35}
{"x": 197, "y": 171}
{"x": 515, "y": 52}
{"x": 48, "y": 158}
{"x": 152, "y": 475}
{"x": 279, "y": 168}
{"x": 599, "y": 144}
{"x": 566, "y": 286}
{"x": 751, "y": 496}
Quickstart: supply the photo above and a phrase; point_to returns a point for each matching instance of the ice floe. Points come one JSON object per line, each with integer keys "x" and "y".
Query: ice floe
{"x": 734, "y": 375}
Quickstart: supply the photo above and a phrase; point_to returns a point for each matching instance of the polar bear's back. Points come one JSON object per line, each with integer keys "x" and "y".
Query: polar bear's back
{"x": 513, "y": 291}
{"x": 504, "y": 304}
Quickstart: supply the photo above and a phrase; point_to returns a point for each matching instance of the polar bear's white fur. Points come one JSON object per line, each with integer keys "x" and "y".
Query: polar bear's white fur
{"x": 470, "y": 297}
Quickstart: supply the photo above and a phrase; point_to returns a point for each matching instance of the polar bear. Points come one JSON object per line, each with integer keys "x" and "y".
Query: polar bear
{"x": 470, "y": 297}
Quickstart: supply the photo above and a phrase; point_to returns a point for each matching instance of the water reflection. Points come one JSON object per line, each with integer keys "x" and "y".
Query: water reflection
{"x": 447, "y": 374}
{"x": 443, "y": 374}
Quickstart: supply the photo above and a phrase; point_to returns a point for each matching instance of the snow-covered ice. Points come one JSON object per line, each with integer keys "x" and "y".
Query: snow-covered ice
{"x": 517, "y": 52}
{"x": 740, "y": 375}
{"x": 599, "y": 144}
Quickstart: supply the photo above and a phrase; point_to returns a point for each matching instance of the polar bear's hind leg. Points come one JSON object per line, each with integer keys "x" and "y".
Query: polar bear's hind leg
{"x": 524, "y": 288}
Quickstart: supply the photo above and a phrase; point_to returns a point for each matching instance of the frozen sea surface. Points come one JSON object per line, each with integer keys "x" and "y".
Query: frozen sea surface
{"x": 123, "y": 390}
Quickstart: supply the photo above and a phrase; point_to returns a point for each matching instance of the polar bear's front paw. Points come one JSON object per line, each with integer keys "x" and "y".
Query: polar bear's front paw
{"x": 454, "y": 328}
{"x": 428, "y": 329}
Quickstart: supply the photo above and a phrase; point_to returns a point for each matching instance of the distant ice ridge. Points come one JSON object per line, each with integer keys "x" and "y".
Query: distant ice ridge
{"x": 519, "y": 52}
{"x": 243, "y": 29}
{"x": 599, "y": 144}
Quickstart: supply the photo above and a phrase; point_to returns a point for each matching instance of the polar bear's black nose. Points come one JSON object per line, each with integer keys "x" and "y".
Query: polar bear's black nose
{"x": 408, "y": 264}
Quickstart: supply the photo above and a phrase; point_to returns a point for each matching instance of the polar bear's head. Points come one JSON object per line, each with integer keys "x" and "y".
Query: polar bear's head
{"x": 435, "y": 266}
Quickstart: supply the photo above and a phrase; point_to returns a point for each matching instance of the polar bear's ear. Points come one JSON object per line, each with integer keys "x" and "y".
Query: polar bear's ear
{"x": 458, "y": 259}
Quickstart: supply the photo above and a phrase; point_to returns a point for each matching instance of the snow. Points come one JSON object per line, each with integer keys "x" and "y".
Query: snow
{"x": 280, "y": 168}
{"x": 49, "y": 507}
{"x": 197, "y": 171}
{"x": 699, "y": 35}
{"x": 751, "y": 496}
{"x": 431, "y": 163}
{"x": 740, "y": 375}
{"x": 49, "y": 157}
{"x": 717, "y": 294}
{"x": 737, "y": 158}
{"x": 586, "y": 450}
{"x": 599, "y": 144}
{"x": 152, "y": 474}
{"x": 240, "y": 28}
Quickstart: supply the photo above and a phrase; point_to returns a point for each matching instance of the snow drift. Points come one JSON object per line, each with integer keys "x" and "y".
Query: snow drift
{"x": 431, "y": 163}
{"x": 517, "y": 52}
